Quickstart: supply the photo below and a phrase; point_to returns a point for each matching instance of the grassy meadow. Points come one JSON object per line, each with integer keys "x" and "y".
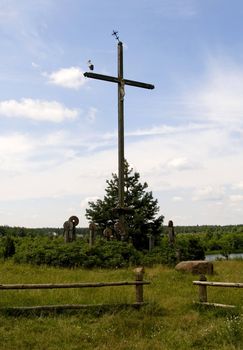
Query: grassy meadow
{"x": 169, "y": 321}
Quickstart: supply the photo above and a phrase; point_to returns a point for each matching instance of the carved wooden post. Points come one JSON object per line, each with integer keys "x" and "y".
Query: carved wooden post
{"x": 74, "y": 221}
{"x": 107, "y": 233}
{"x": 171, "y": 233}
{"x": 92, "y": 228}
{"x": 139, "y": 272}
{"x": 178, "y": 255}
{"x": 66, "y": 230}
{"x": 203, "y": 290}
{"x": 69, "y": 229}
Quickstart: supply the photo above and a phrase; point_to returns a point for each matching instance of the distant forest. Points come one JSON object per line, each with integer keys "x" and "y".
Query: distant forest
{"x": 209, "y": 230}
{"x": 44, "y": 231}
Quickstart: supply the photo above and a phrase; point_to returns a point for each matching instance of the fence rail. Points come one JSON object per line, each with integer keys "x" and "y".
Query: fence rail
{"x": 71, "y": 285}
{"x": 218, "y": 284}
{"x": 138, "y": 283}
{"x": 202, "y": 291}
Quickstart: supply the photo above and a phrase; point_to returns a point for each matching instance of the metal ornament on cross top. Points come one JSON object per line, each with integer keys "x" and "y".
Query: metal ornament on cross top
{"x": 121, "y": 82}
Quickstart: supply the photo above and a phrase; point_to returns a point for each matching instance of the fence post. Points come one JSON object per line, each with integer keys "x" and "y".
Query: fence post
{"x": 139, "y": 272}
{"x": 203, "y": 298}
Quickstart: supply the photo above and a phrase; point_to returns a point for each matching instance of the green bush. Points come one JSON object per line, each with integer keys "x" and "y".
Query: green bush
{"x": 190, "y": 247}
{"x": 43, "y": 250}
{"x": 187, "y": 247}
{"x": 7, "y": 247}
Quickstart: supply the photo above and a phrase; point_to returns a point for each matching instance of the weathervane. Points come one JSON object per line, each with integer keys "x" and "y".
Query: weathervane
{"x": 115, "y": 34}
{"x": 121, "y": 82}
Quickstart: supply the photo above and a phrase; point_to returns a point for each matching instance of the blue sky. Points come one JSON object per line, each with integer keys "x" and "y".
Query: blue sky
{"x": 58, "y": 130}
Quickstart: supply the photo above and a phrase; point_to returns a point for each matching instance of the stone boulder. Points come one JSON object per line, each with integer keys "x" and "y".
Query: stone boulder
{"x": 197, "y": 267}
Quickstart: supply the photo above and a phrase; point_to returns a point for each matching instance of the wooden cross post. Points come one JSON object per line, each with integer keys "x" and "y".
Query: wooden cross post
{"x": 121, "y": 93}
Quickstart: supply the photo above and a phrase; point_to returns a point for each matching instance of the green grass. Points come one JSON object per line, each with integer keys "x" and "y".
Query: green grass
{"x": 169, "y": 321}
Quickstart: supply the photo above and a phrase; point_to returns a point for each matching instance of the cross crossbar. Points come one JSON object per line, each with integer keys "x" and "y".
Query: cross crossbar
{"x": 117, "y": 80}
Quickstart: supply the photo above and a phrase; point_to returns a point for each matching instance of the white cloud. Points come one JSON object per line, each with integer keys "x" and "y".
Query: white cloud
{"x": 177, "y": 199}
{"x": 35, "y": 65}
{"x": 75, "y": 177}
{"x": 57, "y": 165}
{"x": 209, "y": 193}
{"x": 238, "y": 186}
{"x": 56, "y": 138}
{"x": 84, "y": 176}
{"x": 181, "y": 163}
{"x": 219, "y": 95}
{"x": 156, "y": 130}
{"x": 91, "y": 115}
{"x": 160, "y": 130}
{"x": 14, "y": 151}
{"x": 236, "y": 198}
{"x": 39, "y": 110}
{"x": 14, "y": 144}
{"x": 85, "y": 201}
{"x": 71, "y": 78}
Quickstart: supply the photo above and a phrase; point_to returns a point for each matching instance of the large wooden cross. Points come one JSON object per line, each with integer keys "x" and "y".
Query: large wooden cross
{"x": 121, "y": 82}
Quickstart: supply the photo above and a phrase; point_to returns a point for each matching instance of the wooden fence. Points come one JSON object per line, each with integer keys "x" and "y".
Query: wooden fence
{"x": 202, "y": 291}
{"x": 138, "y": 283}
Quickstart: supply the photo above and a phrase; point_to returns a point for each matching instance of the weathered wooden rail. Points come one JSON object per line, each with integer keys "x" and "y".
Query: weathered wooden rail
{"x": 138, "y": 283}
{"x": 202, "y": 291}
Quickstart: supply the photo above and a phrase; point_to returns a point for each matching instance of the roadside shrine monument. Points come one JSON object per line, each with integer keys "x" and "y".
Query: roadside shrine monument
{"x": 121, "y": 210}
{"x": 69, "y": 230}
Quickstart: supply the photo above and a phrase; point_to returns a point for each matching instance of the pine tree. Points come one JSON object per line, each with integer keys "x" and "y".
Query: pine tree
{"x": 142, "y": 222}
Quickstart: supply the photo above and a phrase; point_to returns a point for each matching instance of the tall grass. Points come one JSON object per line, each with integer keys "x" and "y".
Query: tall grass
{"x": 169, "y": 321}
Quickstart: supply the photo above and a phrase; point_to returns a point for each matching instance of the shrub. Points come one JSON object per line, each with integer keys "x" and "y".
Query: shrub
{"x": 7, "y": 247}
{"x": 187, "y": 247}
{"x": 107, "y": 254}
{"x": 43, "y": 250}
{"x": 190, "y": 247}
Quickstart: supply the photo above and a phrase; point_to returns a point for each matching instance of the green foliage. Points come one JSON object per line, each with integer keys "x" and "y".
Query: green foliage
{"x": 142, "y": 222}
{"x": 220, "y": 239}
{"x": 7, "y": 247}
{"x": 44, "y": 250}
{"x": 44, "y": 231}
{"x": 190, "y": 247}
{"x": 215, "y": 230}
{"x": 226, "y": 243}
{"x": 187, "y": 247}
{"x": 54, "y": 252}
{"x": 3, "y": 231}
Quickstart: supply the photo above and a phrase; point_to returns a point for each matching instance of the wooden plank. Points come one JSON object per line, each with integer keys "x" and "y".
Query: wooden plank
{"x": 117, "y": 80}
{"x": 68, "y": 306}
{"x": 216, "y": 305}
{"x": 101, "y": 77}
{"x": 139, "y": 84}
{"x": 70, "y": 285}
{"x": 218, "y": 284}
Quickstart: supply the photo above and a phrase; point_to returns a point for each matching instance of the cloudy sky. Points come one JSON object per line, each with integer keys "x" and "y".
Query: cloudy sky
{"x": 58, "y": 130}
